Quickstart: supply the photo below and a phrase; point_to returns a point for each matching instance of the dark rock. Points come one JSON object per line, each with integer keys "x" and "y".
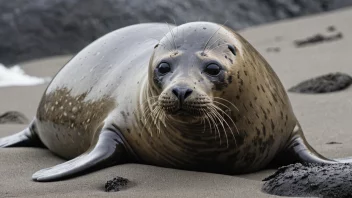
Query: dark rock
{"x": 318, "y": 38}
{"x": 116, "y": 184}
{"x": 333, "y": 142}
{"x": 331, "y": 28}
{"x": 273, "y": 49}
{"x": 324, "y": 84}
{"x": 13, "y": 117}
{"x": 32, "y": 29}
{"x": 311, "y": 180}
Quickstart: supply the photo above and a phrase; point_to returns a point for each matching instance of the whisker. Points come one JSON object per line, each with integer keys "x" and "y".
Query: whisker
{"x": 160, "y": 120}
{"x": 222, "y": 105}
{"x": 157, "y": 120}
{"x": 183, "y": 35}
{"x": 214, "y": 43}
{"x": 203, "y": 122}
{"x": 147, "y": 124}
{"x": 213, "y": 35}
{"x": 228, "y": 102}
{"x": 163, "y": 119}
{"x": 147, "y": 107}
{"x": 218, "y": 46}
{"x": 156, "y": 115}
{"x": 172, "y": 36}
{"x": 207, "y": 118}
{"x": 144, "y": 114}
{"x": 149, "y": 99}
{"x": 228, "y": 117}
{"x": 163, "y": 116}
{"x": 152, "y": 116}
{"x": 216, "y": 115}
{"x": 150, "y": 106}
{"x": 233, "y": 135}
{"x": 176, "y": 27}
{"x": 165, "y": 35}
{"x": 215, "y": 125}
{"x": 162, "y": 44}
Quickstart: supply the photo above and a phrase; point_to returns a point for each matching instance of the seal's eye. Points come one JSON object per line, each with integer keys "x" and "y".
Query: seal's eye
{"x": 212, "y": 69}
{"x": 232, "y": 49}
{"x": 164, "y": 68}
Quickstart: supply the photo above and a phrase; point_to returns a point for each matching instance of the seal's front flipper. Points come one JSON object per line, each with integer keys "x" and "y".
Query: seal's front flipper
{"x": 109, "y": 150}
{"x": 25, "y": 138}
{"x": 299, "y": 150}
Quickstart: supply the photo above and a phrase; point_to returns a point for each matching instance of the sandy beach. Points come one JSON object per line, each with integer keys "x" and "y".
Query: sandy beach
{"x": 324, "y": 118}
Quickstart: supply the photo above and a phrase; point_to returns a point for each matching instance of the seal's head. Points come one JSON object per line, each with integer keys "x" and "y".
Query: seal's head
{"x": 192, "y": 66}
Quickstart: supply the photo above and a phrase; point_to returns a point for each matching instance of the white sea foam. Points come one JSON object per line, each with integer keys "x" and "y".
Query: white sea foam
{"x": 15, "y": 76}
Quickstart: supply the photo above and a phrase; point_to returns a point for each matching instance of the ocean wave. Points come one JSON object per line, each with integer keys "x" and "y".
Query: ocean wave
{"x": 15, "y": 76}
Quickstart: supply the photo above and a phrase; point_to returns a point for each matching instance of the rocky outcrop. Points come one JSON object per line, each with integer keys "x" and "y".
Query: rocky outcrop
{"x": 324, "y": 84}
{"x": 13, "y": 117}
{"x": 37, "y": 28}
{"x": 311, "y": 180}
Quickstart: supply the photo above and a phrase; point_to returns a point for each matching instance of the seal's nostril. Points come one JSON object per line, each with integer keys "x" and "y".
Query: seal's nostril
{"x": 188, "y": 93}
{"x": 175, "y": 91}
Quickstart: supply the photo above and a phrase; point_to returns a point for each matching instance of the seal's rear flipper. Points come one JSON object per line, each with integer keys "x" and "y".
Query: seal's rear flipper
{"x": 25, "y": 138}
{"x": 299, "y": 150}
{"x": 108, "y": 151}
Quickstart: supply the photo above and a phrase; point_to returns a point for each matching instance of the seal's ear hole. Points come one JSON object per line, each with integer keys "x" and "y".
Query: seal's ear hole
{"x": 232, "y": 49}
{"x": 157, "y": 45}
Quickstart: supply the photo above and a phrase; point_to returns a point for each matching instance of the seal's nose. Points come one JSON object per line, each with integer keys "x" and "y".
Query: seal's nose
{"x": 182, "y": 93}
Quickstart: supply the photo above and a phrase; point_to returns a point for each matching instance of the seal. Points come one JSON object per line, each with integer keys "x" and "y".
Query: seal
{"x": 196, "y": 97}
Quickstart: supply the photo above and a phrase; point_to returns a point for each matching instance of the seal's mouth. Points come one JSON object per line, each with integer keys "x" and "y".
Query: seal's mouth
{"x": 185, "y": 110}
{"x": 182, "y": 112}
